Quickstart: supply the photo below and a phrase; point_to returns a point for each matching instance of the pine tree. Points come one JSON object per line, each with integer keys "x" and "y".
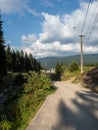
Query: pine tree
{"x": 22, "y": 61}
{"x": 9, "y": 58}
{"x": 27, "y": 63}
{"x": 14, "y": 64}
{"x": 2, "y": 52}
{"x": 18, "y": 61}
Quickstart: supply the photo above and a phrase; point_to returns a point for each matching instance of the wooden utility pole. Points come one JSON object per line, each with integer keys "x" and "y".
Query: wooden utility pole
{"x": 81, "y": 53}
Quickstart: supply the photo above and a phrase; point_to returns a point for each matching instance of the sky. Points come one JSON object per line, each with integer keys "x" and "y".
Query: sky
{"x": 50, "y": 27}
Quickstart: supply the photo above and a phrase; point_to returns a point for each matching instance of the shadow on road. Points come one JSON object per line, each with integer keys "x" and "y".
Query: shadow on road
{"x": 84, "y": 118}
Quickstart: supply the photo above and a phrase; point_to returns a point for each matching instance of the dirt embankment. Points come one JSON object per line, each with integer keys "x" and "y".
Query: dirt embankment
{"x": 90, "y": 79}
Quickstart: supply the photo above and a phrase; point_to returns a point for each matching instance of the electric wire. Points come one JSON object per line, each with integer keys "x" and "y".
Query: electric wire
{"x": 75, "y": 43}
{"x": 93, "y": 23}
{"x": 85, "y": 17}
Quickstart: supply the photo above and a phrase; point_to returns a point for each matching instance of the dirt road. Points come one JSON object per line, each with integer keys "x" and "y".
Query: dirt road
{"x": 71, "y": 107}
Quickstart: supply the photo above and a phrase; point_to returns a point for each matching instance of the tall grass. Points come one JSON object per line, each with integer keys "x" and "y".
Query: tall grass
{"x": 66, "y": 75}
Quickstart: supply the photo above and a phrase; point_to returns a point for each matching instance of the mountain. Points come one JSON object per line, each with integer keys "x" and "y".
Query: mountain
{"x": 50, "y": 62}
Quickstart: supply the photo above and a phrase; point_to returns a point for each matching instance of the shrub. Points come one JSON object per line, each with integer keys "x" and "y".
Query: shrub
{"x": 24, "y": 101}
{"x": 5, "y": 125}
{"x": 19, "y": 80}
{"x": 37, "y": 82}
{"x": 73, "y": 66}
{"x": 59, "y": 69}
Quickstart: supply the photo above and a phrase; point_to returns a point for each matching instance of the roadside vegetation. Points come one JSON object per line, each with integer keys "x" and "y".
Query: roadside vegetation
{"x": 64, "y": 72}
{"x": 23, "y": 100}
{"x": 23, "y": 87}
{"x": 88, "y": 79}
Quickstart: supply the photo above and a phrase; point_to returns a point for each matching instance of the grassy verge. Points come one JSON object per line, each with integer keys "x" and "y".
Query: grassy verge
{"x": 76, "y": 75}
{"x": 67, "y": 75}
{"x": 34, "y": 110}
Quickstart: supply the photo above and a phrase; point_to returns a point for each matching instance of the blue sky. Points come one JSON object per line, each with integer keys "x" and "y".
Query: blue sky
{"x": 45, "y": 27}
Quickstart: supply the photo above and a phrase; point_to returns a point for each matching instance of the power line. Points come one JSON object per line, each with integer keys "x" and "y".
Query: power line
{"x": 85, "y": 17}
{"x": 93, "y": 24}
{"x": 75, "y": 43}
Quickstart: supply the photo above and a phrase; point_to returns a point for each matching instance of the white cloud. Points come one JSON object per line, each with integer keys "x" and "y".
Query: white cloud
{"x": 58, "y": 35}
{"x": 29, "y": 39}
{"x": 9, "y": 6}
{"x": 39, "y": 49}
{"x": 60, "y": 28}
{"x": 17, "y": 6}
{"x": 54, "y": 29}
{"x": 91, "y": 49}
{"x": 33, "y": 12}
{"x": 27, "y": 50}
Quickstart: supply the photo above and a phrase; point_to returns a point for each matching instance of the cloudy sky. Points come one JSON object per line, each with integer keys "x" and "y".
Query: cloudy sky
{"x": 50, "y": 27}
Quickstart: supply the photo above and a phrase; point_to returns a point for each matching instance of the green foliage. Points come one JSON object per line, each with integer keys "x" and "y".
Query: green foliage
{"x": 59, "y": 69}
{"x": 7, "y": 80}
{"x": 2, "y": 52}
{"x": 5, "y": 125}
{"x": 18, "y": 61}
{"x": 19, "y": 80}
{"x": 24, "y": 101}
{"x": 42, "y": 82}
{"x": 73, "y": 66}
{"x": 8, "y": 58}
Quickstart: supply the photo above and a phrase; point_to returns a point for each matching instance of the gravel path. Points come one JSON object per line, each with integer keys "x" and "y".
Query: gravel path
{"x": 71, "y": 107}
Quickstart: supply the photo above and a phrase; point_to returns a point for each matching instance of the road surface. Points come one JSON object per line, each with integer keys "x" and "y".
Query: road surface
{"x": 71, "y": 107}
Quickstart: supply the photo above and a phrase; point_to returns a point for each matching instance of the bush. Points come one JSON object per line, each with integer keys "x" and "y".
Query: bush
{"x": 73, "y": 66}
{"x": 19, "y": 80}
{"x": 24, "y": 101}
{"x": 59, "y": 69}
{"x": 5, "y": 125}
{"x": 37, "y": 82}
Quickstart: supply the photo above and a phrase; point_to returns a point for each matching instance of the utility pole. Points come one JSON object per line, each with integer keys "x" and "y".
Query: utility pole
{"x": 81, "y": 53}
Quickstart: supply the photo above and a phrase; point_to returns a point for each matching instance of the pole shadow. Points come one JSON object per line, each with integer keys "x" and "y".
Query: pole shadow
{"x": 84, "y": 119}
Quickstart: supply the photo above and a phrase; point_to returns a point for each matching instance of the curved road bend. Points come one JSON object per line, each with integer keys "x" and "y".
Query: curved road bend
{"x": 71, "y": 107}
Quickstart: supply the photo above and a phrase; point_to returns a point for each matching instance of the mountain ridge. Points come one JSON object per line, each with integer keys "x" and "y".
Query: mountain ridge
{"x": 50, "y": 62}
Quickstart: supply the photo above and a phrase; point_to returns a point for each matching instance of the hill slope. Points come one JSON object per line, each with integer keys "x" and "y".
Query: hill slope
{"x": 50, "y": 62}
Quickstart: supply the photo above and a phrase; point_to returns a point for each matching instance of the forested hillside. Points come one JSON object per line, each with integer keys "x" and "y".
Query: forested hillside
{"x": 50, "y": 62}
